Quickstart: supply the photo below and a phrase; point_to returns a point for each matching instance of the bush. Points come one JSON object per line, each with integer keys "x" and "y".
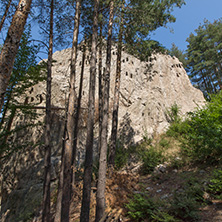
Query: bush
{"x": 142, "y": 207}
{"x": 201, "y": 133}
{"x": 151, "y": 157}
{"x": 186, "y": 202}
{"x": 122, "y": 155}
{"x": 185, "y": 207}
{"x": 172, "y": 114}
{"x": 204, "y": 137}
{"x": 215, "y": 186}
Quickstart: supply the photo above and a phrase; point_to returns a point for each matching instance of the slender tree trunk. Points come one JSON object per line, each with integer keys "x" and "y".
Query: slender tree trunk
{"x": 11, "y": 44}
{"x": 9, "y": 125}
{"x": 76, "y": 127}
{"x": 69, "y": 135}
{"x": 100, "y": 194}
{"x": 100, "y": 91}
{"x": 116, "y": 95}
{"x": 47, "y": 162}
{"x": 61, "y": 179}
{"x": 5, "y": 14}
{"x": 5, "y": 109}
{"x": 90, "y": 123}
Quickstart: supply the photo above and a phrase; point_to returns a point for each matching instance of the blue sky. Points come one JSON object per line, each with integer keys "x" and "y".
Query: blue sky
{"x": 188, "y": 18}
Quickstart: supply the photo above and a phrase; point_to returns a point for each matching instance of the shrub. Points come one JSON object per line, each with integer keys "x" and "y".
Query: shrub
{"x": 142, "y": 207}
{"x": 204, "y": 137}
{"x": 185, "y": 207}
{"x": 215, "y": 186}
{"x": 172, "y": 114}
{"x": 186, "y": 203}
{"x": 201, "y": 133}
{"x": 151, "y": 157}
{"x": 121, "y": 156}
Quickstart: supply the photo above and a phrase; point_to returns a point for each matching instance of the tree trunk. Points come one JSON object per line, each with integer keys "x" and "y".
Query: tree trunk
{"x": 100, "y": 91}
{"x": 90, "y": 123}
{"x": 116, "y": 94}
{"x": 5, "y": 14}
{"x": 61, "y": 179}
{"x": 47, "y": 162}
{"x": 5, "y": 108}
{"x": 100, "y": 194}
{"x": 76, "y": 127}
{"x": 8, "y": 127}
{"x": 11, "y": 45}
{"x": 68, "y": 153}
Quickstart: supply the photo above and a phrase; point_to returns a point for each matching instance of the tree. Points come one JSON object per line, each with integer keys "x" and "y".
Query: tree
{"x": 139, "y": 19}
{"x": 5, "y": 14}
{"x": 26, "y": 73}
{"x": 11, "y": 45}
{"x": 90, "y": 123}
{"x": 100, "y": 194}
{"x": 204, "y": 57}
{"x": 180, "y": 54}
{"x": 69, "y": 149}
{"x": 47, "y": 162}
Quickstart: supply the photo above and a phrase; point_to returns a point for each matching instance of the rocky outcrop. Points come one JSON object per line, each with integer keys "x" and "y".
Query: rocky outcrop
{"x": 148, "y": 89}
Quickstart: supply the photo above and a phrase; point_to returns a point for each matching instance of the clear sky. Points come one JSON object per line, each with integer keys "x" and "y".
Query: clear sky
{"x": 188, "y": 18}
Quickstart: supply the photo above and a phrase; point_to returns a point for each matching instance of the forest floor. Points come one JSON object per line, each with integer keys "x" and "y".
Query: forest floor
{"x": 183, "y": 187}
{"x": 122, "y": 185}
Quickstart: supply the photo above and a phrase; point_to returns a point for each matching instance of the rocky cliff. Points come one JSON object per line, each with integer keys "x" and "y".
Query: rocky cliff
{"x": 148, "y": 89}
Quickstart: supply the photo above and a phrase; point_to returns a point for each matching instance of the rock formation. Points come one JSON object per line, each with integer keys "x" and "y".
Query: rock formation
{"x": 148, "y": 89}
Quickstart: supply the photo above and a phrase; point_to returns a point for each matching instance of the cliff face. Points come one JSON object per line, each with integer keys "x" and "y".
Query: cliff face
{"x": 148, "y": 89}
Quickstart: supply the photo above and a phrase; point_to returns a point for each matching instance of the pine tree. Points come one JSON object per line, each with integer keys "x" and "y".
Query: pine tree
{"x": 204, "y": 57}
{"x": 100, "y": 194}
{"x": 47, "y": 162}
{"x": 69, "y": 149}
{"x": 11, "y": 45}
{"x": 112, "y": 150}
{"x": 90, "y": 122}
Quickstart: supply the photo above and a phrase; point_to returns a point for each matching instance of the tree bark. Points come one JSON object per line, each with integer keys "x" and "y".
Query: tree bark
{"x": 47, "y": 162}
{"x": 5, "y": 14}
{"x": 100, "y": 194}
{"x": 116, "y": 95}
{"x": 11, "y": 45}
{"x": 90, "y": 123}
{"x": 100, "y": 91}
{"x": 76, "y": 127}
{"x": 68, "y": 152}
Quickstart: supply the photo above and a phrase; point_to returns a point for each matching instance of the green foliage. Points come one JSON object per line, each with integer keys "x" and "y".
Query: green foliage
{"x": 204, "y": 56}
{"x": 142, "y": 207}
{"x": 143, "y": 17}
{"x": 215, "y": 186}
{"x": 185, "y": 207}
{"x": 200, "y": 134}
{"x": 164, "y": 143}
{"x": 122, "y": 156}
{"x": 187, "y": 201}
{"x": 172, "y": 114}
{"x": 180, "y": 54}
{"x": 151, "y": 157}
{"x": 203, "y": 137}
{"x": 25, "y": 74}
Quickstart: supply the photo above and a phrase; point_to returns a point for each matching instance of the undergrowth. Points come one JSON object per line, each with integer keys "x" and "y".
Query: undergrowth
{"x": 200, "y": 144}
